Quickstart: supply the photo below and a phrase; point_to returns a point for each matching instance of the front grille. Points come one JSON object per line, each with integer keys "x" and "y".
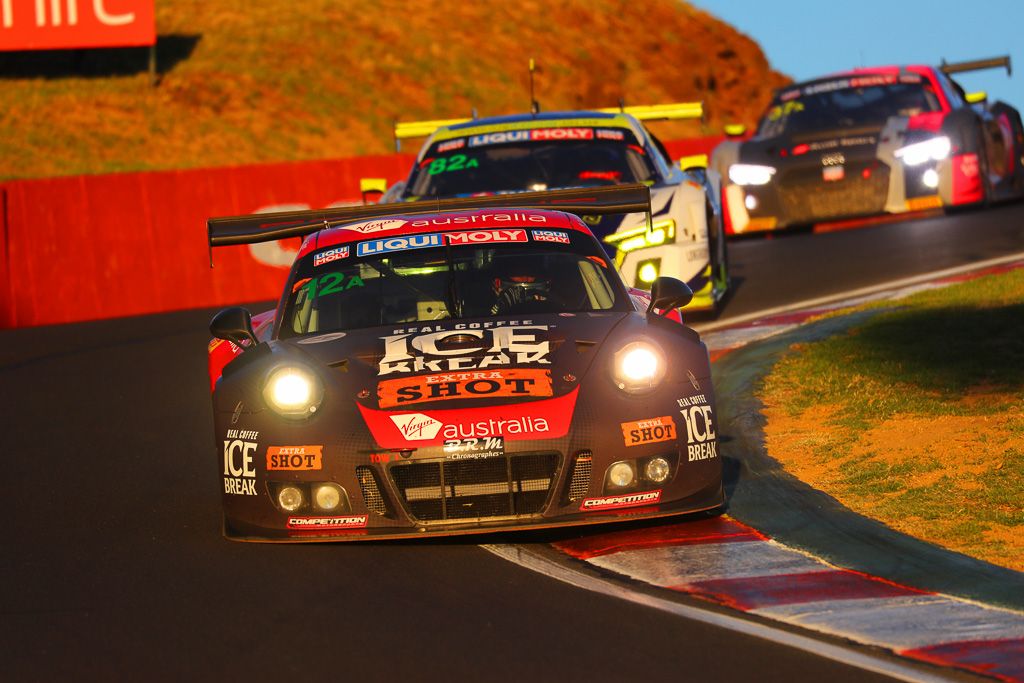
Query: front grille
{"x": 371, "y": 492}
{"x": 580, "y": 483}
{"x": 513, "y": 485}
{"x": 805, "y": 197}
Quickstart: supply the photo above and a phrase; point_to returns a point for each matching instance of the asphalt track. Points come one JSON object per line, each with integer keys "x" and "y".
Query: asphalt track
{"x": 113, "y": 566}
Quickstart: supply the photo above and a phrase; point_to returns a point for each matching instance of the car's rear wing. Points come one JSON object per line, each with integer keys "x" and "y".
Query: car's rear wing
{"x": 949, "y": 68}
{"x": 648, "y": 112}
{"x": 265, "y": 227}
{"x": 660, "y": 112}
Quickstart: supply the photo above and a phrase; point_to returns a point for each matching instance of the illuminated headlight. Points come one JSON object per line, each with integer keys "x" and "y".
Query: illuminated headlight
{"x": 750, "y": 174}
{"x": 289, "y": 498}
{"x": 639, "y": 367}
{"x": 621, "y": 474}
{"x": 657, "y": 470}
{"x": 327, "y": 496}
{"x": 930, "y": 178}
{"x": 927, "y": 150}
{"x": 293, "y": 391}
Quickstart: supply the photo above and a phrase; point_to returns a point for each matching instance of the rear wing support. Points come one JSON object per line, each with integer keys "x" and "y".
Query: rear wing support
{"x": 266, "y": 227}
{"x": 949, "y": 68}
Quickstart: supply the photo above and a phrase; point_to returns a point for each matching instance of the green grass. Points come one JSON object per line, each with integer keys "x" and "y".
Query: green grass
{"x": 941, "y": 355}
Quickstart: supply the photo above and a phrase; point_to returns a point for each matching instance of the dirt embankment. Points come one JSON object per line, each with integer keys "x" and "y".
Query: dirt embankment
{"x": 278, "y": 80}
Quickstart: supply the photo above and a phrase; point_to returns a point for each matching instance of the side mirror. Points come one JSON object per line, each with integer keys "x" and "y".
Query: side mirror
{"x": 735, "y": 130}
{"x": 668, "y": 293}
{"x": 976, "y": 97}
{"x": 234, "y": 325}
{"x": 372, "y": 186}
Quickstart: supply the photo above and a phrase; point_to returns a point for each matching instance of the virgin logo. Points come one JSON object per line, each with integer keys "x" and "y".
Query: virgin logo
{"x": 416, "y": 426}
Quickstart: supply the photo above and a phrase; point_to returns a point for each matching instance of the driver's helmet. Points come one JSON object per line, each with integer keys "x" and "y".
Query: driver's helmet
{"x": 516, "y": 284}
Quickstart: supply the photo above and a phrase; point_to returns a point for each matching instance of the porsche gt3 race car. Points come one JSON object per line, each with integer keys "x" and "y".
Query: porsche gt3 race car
{"x": 473, "y": 366}
{"x": 543, "y": 151}
{"x": 871, "y": 141}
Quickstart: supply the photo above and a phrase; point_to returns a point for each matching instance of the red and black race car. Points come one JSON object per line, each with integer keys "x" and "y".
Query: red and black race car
{"x": 871, "y": 141}
{"x": 475, "y": 365}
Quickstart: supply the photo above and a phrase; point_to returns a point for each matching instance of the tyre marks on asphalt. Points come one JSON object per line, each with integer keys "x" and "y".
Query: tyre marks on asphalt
{"x": 723, "y": 561}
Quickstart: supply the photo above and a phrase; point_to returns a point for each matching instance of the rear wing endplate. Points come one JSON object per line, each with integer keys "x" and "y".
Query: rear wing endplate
{"x": 265, "y": 227}
{"x": 949, "y": 68}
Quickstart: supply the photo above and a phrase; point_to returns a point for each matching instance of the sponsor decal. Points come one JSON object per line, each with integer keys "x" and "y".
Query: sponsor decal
{"x": 562, "y": 134}
{"x": 448, "y": 146}
{"x": 693, "y": 380}
{"x": 546, "y": 418}
{"x": 624, "y": 501}
{"x": 330, "y": 255}
{"x": 455, "y": 385}
{"x": 471, "y": 449}
{"x": 384, "y": 246}
{"x": 350, "y": 522}
{"x": 485, "y": 236}
{"x": 484, "y": 218}
{"x": 550, "y": 236}
{"x": 789, "y": 95}
{"x": 609, "y": 134}
{"x": 527, "y": 426}
{"x": 239, "y": 469}
{"x": 868, "y": 81}
{"x": 416, "y": 426}
{"x": 294, "y": 458}
{"x": 700, "y": 430}
{"x": 367, "y": 227}
{"x": 647, "y": 431}
{"x": 499, "y": 138}
{"x": 463, "y": 349}
{"x": 214, "y": 343}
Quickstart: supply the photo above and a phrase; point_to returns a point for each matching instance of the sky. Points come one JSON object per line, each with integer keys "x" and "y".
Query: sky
{"x": 804, "y": 38}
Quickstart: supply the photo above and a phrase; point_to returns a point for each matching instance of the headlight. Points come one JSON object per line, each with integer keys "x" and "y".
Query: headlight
{"x": 750, "y": 174}
{"x": 293, "y": 391}
{"x": 928, "y": 150}
{"x": 639, "y": 367}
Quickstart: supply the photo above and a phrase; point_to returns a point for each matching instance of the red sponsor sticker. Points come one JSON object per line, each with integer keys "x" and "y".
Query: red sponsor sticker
{"x": 546, "y": 418}
{"x": 651, "y": 430}
{"x": 550, "y": 236}
{"x": 454, "y": 385}
{"x": 451, "y": 144}
{"x": 350, "y": 522}
{"x": 294, "y": 458}
{"x": 562, "y": 134}
{"x": 626, "y": 500}
{"x": 485, "y": 236}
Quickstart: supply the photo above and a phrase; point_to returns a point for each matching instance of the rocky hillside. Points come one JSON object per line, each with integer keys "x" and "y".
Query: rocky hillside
{"x": 244, "y": 82}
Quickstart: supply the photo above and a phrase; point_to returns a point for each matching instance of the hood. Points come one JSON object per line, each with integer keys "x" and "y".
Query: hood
{"x": 462, "y": 363}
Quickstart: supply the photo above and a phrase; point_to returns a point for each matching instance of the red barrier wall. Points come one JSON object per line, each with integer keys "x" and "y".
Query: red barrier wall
{"x": 104, "y": 246}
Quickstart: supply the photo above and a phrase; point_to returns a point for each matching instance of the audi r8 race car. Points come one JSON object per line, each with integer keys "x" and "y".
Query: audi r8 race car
{"x": 870, "y": 141}
{"x": 544, "y": 151}
{"x": 473, "y": 366}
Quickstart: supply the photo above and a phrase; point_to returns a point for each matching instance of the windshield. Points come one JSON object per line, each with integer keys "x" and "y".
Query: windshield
{"x": 415, "y": 278}
{"x": 530, "y": 160}
{"x": 861, "y": 101}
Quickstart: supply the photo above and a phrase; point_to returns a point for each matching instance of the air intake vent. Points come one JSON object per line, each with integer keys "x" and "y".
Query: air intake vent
{"x": 371, "y": 492}
{"x": 580, "y": 483}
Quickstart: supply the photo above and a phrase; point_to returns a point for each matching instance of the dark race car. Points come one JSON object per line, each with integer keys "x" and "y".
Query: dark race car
{"x": 473, "y": 366}
{"x": 871, "y": 141}
{"x": 552, "y": 150}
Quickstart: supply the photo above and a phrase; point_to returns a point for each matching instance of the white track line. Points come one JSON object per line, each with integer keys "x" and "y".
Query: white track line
{"x": 838, "y": 653}
{"x": 856, "y": 293}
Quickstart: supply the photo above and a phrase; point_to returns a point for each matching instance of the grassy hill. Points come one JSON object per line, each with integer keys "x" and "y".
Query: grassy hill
{"x": 279, "y": 80}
